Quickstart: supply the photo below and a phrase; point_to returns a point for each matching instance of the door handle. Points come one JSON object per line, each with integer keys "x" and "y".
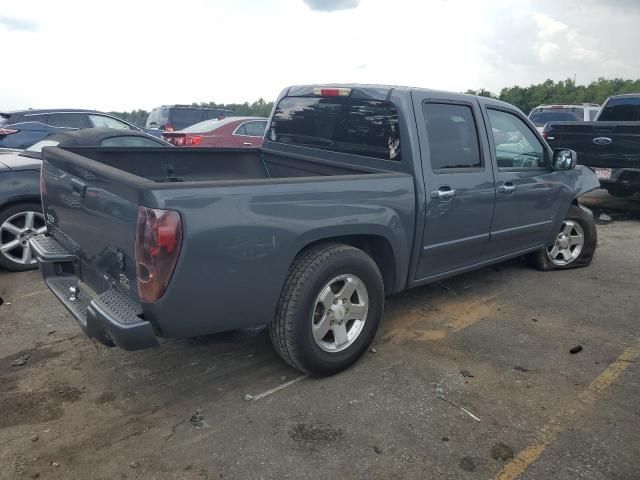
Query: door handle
{"x": 78, "y": 188}
{"x": 443, "y": 193}
{"x": 248, "y": 143}
{"x": 507, "y": 187}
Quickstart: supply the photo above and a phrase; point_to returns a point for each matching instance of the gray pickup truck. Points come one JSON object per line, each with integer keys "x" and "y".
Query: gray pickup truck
{"x": 358, "y": 192}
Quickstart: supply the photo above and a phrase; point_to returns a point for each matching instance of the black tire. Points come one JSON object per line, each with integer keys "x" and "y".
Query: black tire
{"x": 541, "y": 260}
{"x": 291, "y": 329}
{"x": 5, "y": 214}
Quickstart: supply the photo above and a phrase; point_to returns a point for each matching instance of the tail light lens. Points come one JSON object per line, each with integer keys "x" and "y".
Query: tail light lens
{"x": 7, "y": 131}
{"x": 158, "y": 242}
{"x": 182, "y": 140}
{"x": 193, "y": 140}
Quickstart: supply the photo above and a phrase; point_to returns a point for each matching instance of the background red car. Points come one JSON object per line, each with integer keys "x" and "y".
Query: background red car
{"x": 232, "y": 132}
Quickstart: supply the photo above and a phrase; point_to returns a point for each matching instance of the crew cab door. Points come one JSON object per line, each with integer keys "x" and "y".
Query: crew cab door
{"x": 459, "y": 183}
{"x": 528, "y": 190}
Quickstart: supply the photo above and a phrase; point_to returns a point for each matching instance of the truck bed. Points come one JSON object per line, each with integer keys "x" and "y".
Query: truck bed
{"x": 245, "y": 215}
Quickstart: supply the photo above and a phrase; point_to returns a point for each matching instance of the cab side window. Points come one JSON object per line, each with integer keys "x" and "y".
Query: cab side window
{"x": 452, "y": 136}
{"x": 516, "y": 145}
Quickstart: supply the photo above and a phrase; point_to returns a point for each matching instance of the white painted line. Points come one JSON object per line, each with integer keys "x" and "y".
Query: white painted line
{"x": 275, "y": 389}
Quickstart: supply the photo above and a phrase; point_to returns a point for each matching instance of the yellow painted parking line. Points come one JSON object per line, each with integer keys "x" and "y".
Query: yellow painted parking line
{"x": 558, "y": 423}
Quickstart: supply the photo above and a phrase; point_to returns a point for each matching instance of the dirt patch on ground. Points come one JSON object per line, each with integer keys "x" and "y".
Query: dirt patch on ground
{"x": 31, "y": 407}
{"x": 313, "y": 435}
{"x": 420, "y": 324}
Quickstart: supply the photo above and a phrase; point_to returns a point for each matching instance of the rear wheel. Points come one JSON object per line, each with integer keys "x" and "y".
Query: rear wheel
{"x": 329, "y": 309}
{"x": 18, "y": 224}
{"x": 574, "y": 245}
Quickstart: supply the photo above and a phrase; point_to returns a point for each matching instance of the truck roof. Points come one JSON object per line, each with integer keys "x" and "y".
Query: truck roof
{"x": 382, "y": 91}
{"x": 625, "y": 95}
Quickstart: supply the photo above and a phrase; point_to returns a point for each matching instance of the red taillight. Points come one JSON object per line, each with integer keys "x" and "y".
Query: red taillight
{"x": 8, "y": 131}
{"x": 332, "y": 92}
{"x": 182, "y": 140}
{"x": 158, "y": 242}
{"x": 193, "y": 140}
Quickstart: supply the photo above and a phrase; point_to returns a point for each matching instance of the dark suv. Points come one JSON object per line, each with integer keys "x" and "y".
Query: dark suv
{"x": 22, "y": 128}
{"x": 176, "y": 117}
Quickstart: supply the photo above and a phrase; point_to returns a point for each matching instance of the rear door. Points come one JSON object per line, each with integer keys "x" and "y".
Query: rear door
{"x": 459, "y": 181}
{"x": 250, "y": 134}
{"x": 528, "y": 191}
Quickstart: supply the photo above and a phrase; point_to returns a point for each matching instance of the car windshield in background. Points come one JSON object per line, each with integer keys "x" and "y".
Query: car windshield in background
{"x": 206, "y": 126}
{"x": 621, "y": 110}
{"x": 346, "y": 125}
{"x": 540, "y": 119}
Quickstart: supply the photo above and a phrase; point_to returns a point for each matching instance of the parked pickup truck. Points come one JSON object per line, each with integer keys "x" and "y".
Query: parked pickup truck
{"x": 357, "y": 192}
{"x": 610, "y": 145}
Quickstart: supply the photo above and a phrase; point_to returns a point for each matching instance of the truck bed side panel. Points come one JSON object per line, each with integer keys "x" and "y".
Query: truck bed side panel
{"x": 241, "y": 240}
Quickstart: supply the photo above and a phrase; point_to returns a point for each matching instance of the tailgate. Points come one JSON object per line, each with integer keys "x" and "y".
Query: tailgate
{"x": 598, "y": 144}
{"x": 91, "y": 210}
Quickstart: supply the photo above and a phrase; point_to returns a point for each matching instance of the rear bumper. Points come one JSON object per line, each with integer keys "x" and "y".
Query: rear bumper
{"x": 110, "y": 318}
{"x": 623, "y": 179}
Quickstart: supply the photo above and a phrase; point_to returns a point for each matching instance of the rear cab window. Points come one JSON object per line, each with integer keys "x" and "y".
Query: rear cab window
{"x": 348, "y": 125}
{"x": 543, "y": 116}
{"x": 185, "y": 117}
{"x": 621, "y": 110}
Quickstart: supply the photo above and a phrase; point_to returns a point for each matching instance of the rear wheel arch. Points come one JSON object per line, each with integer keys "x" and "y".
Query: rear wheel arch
{"x": 378, "y": 247}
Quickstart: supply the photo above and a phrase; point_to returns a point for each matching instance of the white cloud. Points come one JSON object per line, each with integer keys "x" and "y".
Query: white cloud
{"x": 123, "y": 55}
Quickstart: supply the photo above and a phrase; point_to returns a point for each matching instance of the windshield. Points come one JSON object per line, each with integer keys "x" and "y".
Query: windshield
{"x": 621, "y": 110}
{"x": 347, "y": 125}
{"x": 541, "y": 118}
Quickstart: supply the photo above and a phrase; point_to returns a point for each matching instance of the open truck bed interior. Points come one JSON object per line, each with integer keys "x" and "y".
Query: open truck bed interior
{"x": 167, "y": 165}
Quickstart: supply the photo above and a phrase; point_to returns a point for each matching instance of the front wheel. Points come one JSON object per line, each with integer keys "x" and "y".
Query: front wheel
{"x": 574, "y": 245}
{"x": 329, "y": 309}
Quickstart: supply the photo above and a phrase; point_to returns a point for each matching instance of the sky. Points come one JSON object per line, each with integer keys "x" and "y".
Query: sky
{"x": 130, "y": 54}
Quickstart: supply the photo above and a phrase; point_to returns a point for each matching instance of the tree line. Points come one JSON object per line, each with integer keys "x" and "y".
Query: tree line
{"x": 259, "y": 108}
{"x": 525, "y": 98}
{"x": 563, "y": 92}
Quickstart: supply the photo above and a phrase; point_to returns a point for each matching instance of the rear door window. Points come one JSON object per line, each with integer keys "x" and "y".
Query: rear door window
{"x": 255, "y": 129}
{"x": 102, "y": 121}
{"x": 348, "y": 125}
{"x": 40, "y": 117}
{"x": 184, "y": 117}
{"x": 69, "y": 120}
{"x": 452, "y": 136}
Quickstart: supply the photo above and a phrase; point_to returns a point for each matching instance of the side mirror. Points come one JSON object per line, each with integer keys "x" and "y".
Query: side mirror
{"x": 564, "y": 159}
